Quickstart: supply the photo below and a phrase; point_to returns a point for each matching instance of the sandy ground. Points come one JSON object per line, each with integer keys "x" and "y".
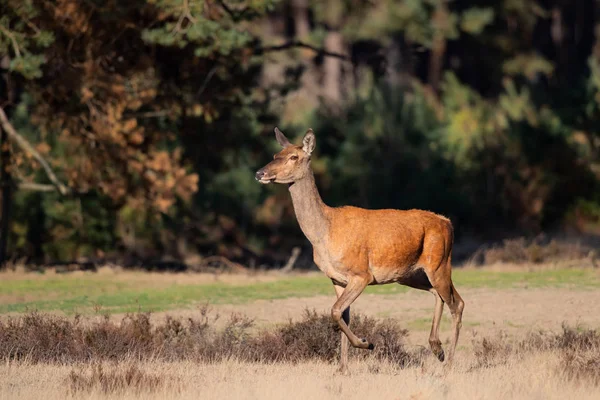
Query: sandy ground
{"x": 487, "y": 311}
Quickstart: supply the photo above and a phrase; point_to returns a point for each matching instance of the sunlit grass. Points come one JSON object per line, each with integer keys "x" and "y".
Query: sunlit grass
{"x": 116, "y": 293}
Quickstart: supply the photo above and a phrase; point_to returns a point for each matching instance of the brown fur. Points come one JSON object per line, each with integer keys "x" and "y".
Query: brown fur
{"x": 356, "y": 247}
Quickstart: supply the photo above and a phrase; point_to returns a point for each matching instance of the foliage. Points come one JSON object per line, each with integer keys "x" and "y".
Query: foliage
{"x": 157, "y": 113}
{"x": 109, "y": 108}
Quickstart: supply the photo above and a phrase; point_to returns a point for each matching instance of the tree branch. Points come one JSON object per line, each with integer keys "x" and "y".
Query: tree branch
{"x": 12, "y": 38}
{"x": 206, "y": 80}
{"x": 292, "y": 260}
{"x": 26, "y": 146}
{"x": 36, "y": 187}
{"x": 297, "y": 43}
{"x": 237, "y": 14}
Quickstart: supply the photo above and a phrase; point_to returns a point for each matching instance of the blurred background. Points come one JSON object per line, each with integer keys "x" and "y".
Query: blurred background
{"x": 131, "y": 131}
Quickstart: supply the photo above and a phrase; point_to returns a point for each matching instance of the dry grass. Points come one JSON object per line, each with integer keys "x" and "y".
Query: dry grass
{"x": 539, "y": 250}
{"x": 117, "y": 380}
{"x": 151, "y": 279}
{"x": 578, "y": 351}
{"x": 56, "y": 357}
{"x": 532, "y": 375}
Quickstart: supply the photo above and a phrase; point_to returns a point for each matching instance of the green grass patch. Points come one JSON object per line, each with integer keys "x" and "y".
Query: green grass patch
{"x": 424, "y": 324}
{"x": 109, "y": 293}
{"x": 580, "y": 278}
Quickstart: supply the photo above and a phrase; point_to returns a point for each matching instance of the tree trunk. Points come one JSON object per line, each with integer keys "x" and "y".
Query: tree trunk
{"x": 393, "y": 64}
{"x": 301, "y": 23}
{"x": 6, "y": 189}
{"x": 332, "y": 69}
{"x": 438, "y": 48}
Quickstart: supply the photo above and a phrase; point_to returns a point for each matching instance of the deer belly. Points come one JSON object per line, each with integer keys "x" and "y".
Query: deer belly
{"x": 329, "y": 268}
{"x": 382, "y": 274}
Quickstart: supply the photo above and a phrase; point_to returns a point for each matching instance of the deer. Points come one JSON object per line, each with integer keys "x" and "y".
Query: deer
{"x": 357, "y": 247}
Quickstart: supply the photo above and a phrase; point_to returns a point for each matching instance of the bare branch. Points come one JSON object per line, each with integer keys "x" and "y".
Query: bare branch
{"x": 237, "y": 14}
{"x": 150, "y": 114}
{"x": 36, "y": 187}
{"x": 12, "y": 38}
{"x": 292, "y": 260}
{"x": 297, "y": 43}
{"x": 26, "y": 146}
{"x": 187, "y": 13}
{"x": 206, "y": 80}
{"x": 227, "y": 9}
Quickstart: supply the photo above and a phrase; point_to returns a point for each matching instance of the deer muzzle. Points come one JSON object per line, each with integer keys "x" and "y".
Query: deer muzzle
{"x": 263, "y": 177}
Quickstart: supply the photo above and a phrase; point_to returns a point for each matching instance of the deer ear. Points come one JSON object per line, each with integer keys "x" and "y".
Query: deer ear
{"x": 308, "y": 143}
{"x": 281, "y": 139}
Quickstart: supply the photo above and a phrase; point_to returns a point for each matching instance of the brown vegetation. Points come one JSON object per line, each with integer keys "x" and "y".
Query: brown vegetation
{"x": 41, "y": 338}
{"x": 578, "y": 351}
{"x": 537, "y": 250}
{"x": 36, "y": 338}
{"x": 116, "y": 380}
{"x": 192, "y": 358}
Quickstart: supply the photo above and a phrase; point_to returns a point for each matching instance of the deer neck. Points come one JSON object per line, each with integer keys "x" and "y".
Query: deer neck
{"x": 311, "y": 212}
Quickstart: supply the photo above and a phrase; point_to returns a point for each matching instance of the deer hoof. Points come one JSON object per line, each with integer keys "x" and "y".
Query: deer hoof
{"x": 440, "y": 355}
{"x": 436, "y": 349}
{"x": 364, "y": 344}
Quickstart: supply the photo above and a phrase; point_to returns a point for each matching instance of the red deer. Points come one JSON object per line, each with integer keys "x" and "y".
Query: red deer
{"x": 357, "y": 247}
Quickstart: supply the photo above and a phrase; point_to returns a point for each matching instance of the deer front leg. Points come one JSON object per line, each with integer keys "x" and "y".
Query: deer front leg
{"x": 353, "y": 289}
{"x": 344, "y": 343}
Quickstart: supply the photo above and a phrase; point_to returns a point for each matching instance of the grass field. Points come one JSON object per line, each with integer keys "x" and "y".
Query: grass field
{"x": 114, "y": 292}
{"x": 529, "y": 377}
{"x": 502, "y": 306}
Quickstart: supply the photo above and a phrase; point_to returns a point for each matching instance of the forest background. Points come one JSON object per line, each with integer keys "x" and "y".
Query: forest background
{"x": 131, "y": 131}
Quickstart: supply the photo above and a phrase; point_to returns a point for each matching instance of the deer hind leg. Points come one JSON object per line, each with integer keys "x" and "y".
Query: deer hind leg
{"x": 353, "y": 289}
{"x": 450, "y": 296}
{"x": 344, "y": 342}
{"x": 434, "y": 336}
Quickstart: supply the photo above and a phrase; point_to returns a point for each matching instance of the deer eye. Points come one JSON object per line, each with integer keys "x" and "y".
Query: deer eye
{"x": 293, "y": 158}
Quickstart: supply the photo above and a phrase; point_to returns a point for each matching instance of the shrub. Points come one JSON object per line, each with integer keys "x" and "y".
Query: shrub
{"x": 46, "y": 338}
{"x": 538, "y": 250}
{"x": 578, "y": 351}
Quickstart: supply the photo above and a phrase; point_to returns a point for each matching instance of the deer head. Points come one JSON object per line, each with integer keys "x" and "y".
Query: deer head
{"x": 290, "y": 164}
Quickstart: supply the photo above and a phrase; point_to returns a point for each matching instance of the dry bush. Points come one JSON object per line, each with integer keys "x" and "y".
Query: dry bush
{"x": 579, "y": 351}
{"x": 45, "y": 338}
{"x": 19, "y": 338}
{"x": 490, "y": 352}
{"x": 115, "y": 380}
{"x": 580, "y": 355}
{"x": 497, "y": 350}
{"x": 316, "y": 336}
{"x": 538, "y": 250}
{"x": 313, "y": 336}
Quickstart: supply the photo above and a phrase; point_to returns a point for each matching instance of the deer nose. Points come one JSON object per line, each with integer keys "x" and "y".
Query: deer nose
{"x": 259, "y": 174}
